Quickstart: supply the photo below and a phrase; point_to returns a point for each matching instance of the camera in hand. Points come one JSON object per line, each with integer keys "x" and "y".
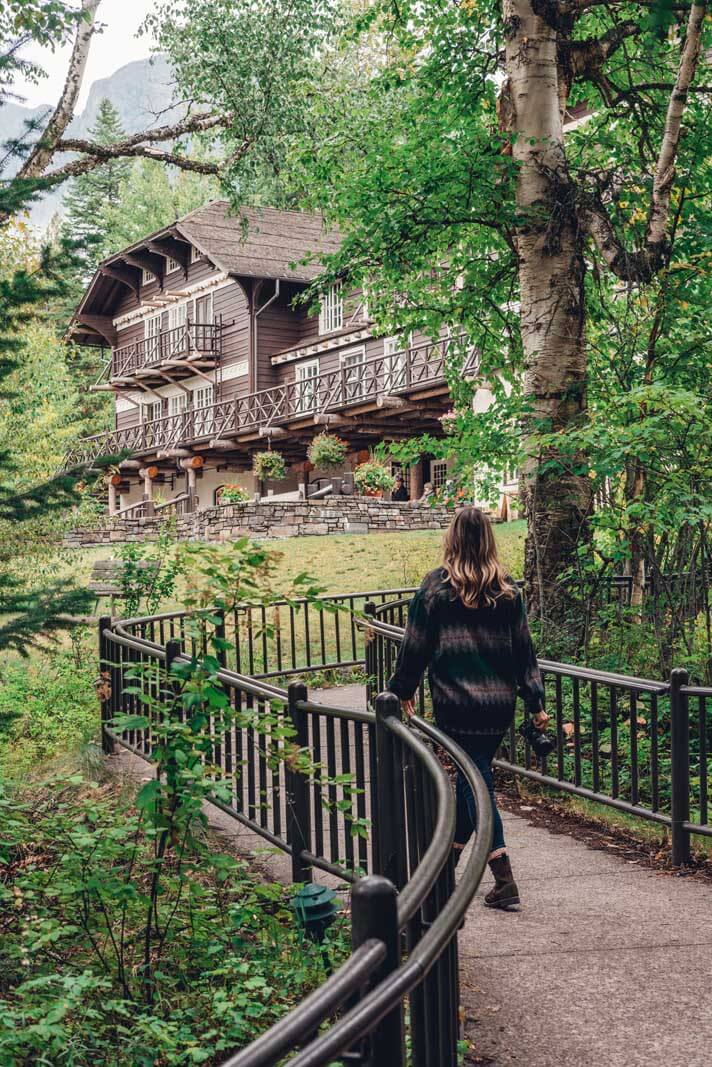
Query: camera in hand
{"x": 541, "y": 744}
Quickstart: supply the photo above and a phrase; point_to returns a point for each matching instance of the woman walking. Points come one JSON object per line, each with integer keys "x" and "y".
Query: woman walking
{"x": 467, "y": 625}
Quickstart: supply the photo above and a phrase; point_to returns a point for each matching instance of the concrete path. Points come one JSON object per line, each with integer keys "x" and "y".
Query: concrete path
{"x": 605, "y": 964}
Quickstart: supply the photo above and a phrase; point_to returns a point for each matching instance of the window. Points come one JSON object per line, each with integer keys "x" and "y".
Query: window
{"x": 331, "y": 315}
{"x": 438, "y": 473}
{"x": 175, "y": 342}
{"x": 177, "y": 315}
{"x": 177, "y": 404}
{"x": 151, "y": 411}
{"x": 195, "y": 255}
{"x": 152, "y": 334}
{"x": 203, "y": 400}
{"x": 305, "y": 376}
{"x": 203, "y": 309}
{"x": 394, "y": 363}
{"x": 354, "y": 381}
{"x": 171, "y": 265}
{"x": 402, "y": 470}
{"x": 146, "y": 276}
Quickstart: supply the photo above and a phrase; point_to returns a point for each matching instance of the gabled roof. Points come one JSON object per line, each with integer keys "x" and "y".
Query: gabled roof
{"x": 253, "y": 243}
{"x": 259, "y": 242}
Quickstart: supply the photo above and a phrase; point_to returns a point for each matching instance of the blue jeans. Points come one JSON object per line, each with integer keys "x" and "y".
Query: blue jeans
{"x": 481, "y": 751}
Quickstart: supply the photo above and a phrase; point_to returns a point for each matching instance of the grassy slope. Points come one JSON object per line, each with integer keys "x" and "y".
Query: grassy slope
{"x": 345, "y": 563}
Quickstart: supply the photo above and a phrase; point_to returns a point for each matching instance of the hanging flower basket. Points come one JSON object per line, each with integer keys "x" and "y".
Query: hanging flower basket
{"x": 327, "y": 452}
{"x": 268, "y": 466}
{"x": 373, "y": 478}
{"x": 233, "y": 494}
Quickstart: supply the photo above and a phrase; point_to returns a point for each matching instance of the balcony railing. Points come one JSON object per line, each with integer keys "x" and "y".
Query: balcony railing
{"x": 398, "y": 374}
{"x": 183, "y": 342}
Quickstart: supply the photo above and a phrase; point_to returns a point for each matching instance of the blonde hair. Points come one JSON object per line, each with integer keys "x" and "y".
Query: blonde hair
{"x": 470, "y": 561}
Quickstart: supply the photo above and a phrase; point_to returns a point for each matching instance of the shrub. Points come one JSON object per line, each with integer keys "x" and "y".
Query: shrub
{"x": 327, "y": 451}
{"x": 266, "y": 465}
{"x": 233, "y": 494}
{"x": 372, "y": 476}
{"x": 48, "y": 705}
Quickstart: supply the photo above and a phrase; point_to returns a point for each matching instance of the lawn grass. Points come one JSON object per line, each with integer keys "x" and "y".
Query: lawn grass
{"x": 344, "y": 563}
{"x": 352, "y": 562}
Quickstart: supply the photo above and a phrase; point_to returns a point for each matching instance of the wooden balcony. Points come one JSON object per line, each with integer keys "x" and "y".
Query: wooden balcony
{"x": 182, "y": 350}
{"x": 380, "y": 388}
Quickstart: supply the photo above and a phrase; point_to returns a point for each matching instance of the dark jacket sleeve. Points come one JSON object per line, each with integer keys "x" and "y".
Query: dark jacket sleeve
{"x": 416, "y": 649}
{"x": 531, "y": 687}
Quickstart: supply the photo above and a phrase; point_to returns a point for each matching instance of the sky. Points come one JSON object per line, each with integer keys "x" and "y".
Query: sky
{"x": 111, "y": 49}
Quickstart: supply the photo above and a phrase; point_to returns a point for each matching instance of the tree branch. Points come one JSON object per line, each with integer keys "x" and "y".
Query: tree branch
{"x": 665, "y": 170}
{"x": 102, "y": 153}
{"x": 587, "y": 57}
{"x": 42, "y": 153}
{"x": 642, "y": 265}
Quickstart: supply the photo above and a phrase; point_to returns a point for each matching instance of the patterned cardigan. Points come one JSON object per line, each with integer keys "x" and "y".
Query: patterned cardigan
{"x": 478, "y": 659}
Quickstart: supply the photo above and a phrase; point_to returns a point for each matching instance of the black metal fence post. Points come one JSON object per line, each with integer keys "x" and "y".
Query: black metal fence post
{"x": 390, "y": 803}
{"x": 680, "y": 766}
{"x": 374, "y": 915}
{"x": 104, "y": 685}
{"x": 369, "y": 639}
{"x": 219, "y": 635}
{"x": 298, "y": 809}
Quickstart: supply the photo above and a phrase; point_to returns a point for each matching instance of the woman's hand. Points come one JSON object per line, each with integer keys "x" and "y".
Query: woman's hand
{"x": 408, "y": 707}
{"x": 540, "y": 719}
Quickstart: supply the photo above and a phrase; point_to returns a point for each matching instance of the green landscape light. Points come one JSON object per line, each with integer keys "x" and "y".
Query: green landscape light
{"x": 315, "y": 907}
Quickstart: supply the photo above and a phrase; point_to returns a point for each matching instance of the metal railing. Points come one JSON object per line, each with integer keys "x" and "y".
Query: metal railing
{"x": 375, "y": 799}
{"x": 638, "y": 745}
{"x": 400, "y": 374}
{"x": 188, "y": 340}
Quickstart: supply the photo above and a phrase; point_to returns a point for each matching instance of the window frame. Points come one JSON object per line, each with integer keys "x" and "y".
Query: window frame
{"x": 436, "y": 480}
{"x": 354, "y": 388}
{"x": 331, "y": 311}
{"x": 304, "y": 405}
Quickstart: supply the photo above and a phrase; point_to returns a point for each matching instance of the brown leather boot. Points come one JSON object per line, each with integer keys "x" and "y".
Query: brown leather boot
{"x": 504, "y": 894}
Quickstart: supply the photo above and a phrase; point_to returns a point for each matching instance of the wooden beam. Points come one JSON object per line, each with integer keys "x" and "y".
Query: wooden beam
{"x": 392, "y": 402}
{"x": 271, "y": 431}
{"x": 174, "y": 453}
{"x": 129, "y": 464}
{"x": 169, "y": 246}
{"x": 120, "y": 272}
{"x": 100, "y": 324}
{"x": 324, "y": 418}
{"x": 147, "y": 261}
{"x": 220, "y": 444}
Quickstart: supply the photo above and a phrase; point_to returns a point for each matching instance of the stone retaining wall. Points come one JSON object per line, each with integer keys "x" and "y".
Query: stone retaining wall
{"x": 271, "y": 520}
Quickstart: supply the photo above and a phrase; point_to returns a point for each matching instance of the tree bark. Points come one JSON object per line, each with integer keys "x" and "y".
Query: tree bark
{"x": 549, "y": 243}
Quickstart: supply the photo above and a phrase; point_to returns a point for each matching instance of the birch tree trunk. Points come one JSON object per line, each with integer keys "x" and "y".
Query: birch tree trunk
{"x": 549, "y": 243}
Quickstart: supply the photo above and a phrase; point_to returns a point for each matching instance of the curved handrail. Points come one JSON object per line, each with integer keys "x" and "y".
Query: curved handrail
{"x": 431, "y": 863}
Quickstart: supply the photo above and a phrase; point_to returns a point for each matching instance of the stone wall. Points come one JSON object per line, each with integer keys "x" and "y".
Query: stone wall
{"x": 278, "y": 519}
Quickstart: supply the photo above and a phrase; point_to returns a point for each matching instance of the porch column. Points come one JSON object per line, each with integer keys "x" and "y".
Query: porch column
{"x": 111, "y": 484}
{"x": 148, "y": 474}
{"x": 191, "y": 467}
{"x": 416, "y": 480}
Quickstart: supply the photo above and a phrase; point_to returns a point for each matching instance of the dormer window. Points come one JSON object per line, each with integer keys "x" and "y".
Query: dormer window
{"x": 171, "y": 265}
{"x": 194, "y": 254}
{"x": 146, "y": 277}
{"x": 331, "y": 314}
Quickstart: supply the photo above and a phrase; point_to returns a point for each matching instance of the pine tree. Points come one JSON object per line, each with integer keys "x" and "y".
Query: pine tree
{"x": 92, "y": 195}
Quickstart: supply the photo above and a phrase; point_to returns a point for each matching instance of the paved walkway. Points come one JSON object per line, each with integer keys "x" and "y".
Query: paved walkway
{"x": 606, "y": 963}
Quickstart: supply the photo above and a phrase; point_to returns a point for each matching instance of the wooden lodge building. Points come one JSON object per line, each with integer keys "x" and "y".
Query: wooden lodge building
{"x": 213, "y": 360}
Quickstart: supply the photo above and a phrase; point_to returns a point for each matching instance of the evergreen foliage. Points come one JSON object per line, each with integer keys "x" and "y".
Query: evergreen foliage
{"x": 91, "y": 196}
